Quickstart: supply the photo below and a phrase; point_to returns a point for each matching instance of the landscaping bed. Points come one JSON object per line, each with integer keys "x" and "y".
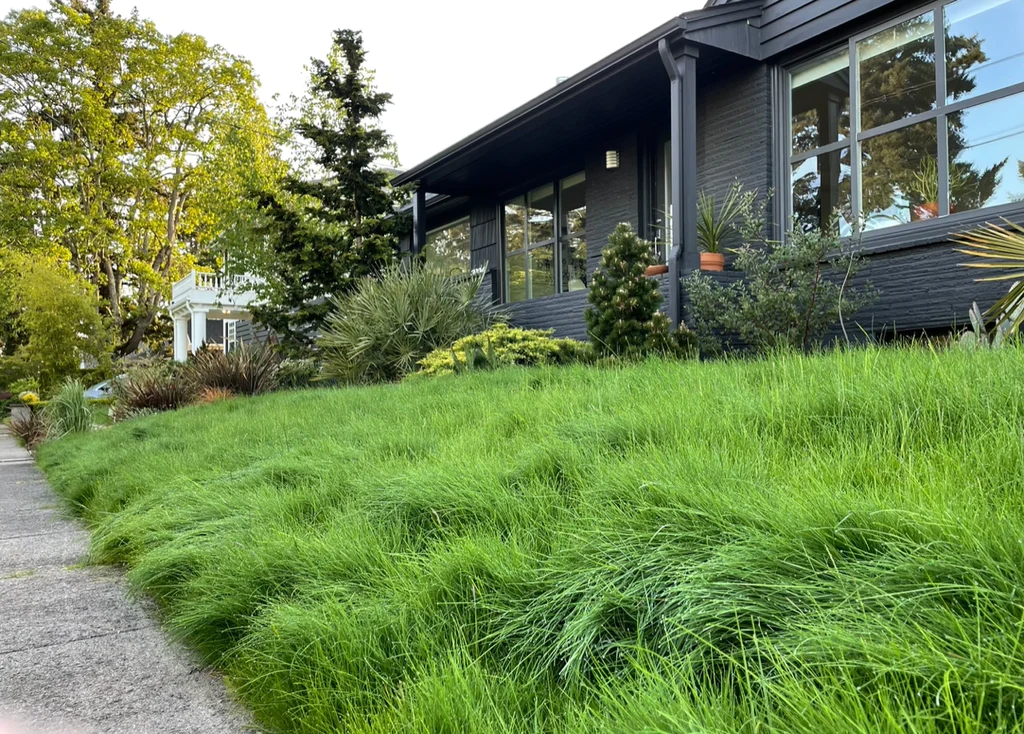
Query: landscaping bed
{"x": 799, "y": 544}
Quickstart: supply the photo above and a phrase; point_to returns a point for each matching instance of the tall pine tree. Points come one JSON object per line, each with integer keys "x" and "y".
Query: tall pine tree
{"x": 325, "y": 231}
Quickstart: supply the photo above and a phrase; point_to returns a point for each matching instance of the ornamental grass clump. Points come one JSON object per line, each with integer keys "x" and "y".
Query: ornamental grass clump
{"x": 68, "y": 410}
{"x": 151, "y": 389}
{"x": 249, "y": 369}
{"x": 381, "y": 331}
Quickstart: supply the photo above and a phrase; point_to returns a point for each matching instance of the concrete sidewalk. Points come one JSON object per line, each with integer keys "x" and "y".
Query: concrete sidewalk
{"x": 76, "y": 655}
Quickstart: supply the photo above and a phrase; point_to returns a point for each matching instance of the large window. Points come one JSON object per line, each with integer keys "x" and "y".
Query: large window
{"x": 447, "y": 248}
{"x": 920, "y": 119}
{"x": 546, "y": 240}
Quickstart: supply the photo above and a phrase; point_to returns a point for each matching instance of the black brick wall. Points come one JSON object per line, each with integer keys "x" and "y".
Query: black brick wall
{"x": 611, "y": 194}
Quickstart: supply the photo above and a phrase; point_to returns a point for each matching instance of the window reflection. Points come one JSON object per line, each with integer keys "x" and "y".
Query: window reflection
{"x": 821, "y": 104}
{"x": 983, "y": 46}
{"x": 897, "y": 72}
{"x": 899, "y": 176}
{"x": 447, "y": 249}
{"x": 986, "y": 150}
{"x": 821, "y": 191}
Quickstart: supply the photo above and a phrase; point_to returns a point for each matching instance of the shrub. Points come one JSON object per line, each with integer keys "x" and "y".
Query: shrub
{"x": 248, "y": 370}
{"x": 507, "y": 346}
{"x": 25, "y": 385}
{"x": 383, "y": 329}
{"x": 31, "y": 430}
{"x": 792, "y": 292}
{"x": 68, "y": 411}
{"x": 151, "y": 389}
{"x": 298, "y": 373}
{"x": 624, "y": 320}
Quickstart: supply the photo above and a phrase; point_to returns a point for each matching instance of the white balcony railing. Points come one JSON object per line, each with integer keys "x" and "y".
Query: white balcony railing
{"x": 211, "y": 288}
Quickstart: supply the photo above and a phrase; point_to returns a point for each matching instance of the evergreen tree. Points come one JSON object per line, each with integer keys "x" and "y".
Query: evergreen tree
{"x": 624, "y": 319}
{"x": 326, "y": 231}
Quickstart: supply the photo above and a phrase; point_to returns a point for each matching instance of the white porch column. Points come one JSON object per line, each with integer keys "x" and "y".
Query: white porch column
{"x": 198, "y": 328}
{"x": 180, "y": 338}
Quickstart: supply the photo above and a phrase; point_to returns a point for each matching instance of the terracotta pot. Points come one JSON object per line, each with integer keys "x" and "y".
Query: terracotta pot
{"x": 929, "y": 210}
{"x": 653, "y": 270}
{"x": 714, "y": 261}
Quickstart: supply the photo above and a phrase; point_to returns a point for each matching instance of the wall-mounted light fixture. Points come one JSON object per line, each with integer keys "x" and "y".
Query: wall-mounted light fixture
{"x": 611, "y": 159}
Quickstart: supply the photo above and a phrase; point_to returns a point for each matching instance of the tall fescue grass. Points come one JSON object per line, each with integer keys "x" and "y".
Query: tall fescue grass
{"x": 801, "y": 544}
{"x": 68, "y": 411}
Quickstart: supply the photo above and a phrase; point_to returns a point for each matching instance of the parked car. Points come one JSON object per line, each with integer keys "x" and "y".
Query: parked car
{"x": 102, "y": 390}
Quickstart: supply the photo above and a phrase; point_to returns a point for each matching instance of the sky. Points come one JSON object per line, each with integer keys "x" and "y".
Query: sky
{"x": 453, "y": 66}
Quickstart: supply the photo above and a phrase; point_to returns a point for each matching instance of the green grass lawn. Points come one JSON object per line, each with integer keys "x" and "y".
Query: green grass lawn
{"x": 822, "y": 544}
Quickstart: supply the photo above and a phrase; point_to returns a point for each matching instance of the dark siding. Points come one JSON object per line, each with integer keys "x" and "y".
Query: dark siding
{"x": 611, "y": 194}
{"x": 923, "y": 288}
{"x": 562, "y": 312}
{"x": 483, "y": 236}
{"x": 787, "y": 24}
{"x": 249, "y": 332}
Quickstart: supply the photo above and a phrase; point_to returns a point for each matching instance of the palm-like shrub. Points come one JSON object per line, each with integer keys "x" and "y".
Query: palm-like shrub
{"x": 716, "y": 223}
{"x": 247, "y": 370}
{"x": 68, "y": 411}
{"x": 506, "y": 345}
{"x": 381, "y": 331}
{"x": 999, "y": 247}
{"x": 152, "y": 389}
{"x": 31, "y": 430}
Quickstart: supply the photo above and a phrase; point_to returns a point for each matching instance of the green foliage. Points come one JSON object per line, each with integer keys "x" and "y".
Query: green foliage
{"x": 505, "y": 345}
{"x": 381, "y": 331}
{"x": 623, "y": 319}
{"x": 325, "y": 231}
{"x": 68, "y": 410}
{"x": 716, "y": 224}
{"x": 792, "y": 293}
{"x": 299, "y": 373}
{"x": 999, "y": 247}
{"x": 248, "y": 370}
{"x": 151, "y": 389}
{"x": 798, "y": 544}
{"x": 60, "y": 316}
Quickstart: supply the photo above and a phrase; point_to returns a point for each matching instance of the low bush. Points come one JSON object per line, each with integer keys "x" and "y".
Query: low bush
{"x": 151, "y": 389}
{"x": 251, "y": 369}
{"x": 214, "y": 395}
{"x": 506, "y": 345}
{"x": 68, "y": 410}
{"x": 298, "y": 373}
{"x": 381, "y": 331}
{"x": 792, "y": 293}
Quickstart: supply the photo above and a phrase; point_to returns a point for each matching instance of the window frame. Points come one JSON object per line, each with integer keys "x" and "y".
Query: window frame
{"x": 857, "y": 137}
{"x": 555, "y": 242}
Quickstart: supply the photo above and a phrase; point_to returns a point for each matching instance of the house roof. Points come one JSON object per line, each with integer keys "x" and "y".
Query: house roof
{"x": 438, "y": 169}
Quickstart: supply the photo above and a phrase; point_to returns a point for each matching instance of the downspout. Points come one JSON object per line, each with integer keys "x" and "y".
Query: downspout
{"x": 684, "y": 256}
{"x": 419, "y": 220}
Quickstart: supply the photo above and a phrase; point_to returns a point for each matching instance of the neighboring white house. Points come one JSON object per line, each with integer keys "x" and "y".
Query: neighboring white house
{"x": 199, "y": 297}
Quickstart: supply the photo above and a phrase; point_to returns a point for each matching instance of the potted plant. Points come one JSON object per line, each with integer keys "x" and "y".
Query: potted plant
{"x": 715, "y": 225}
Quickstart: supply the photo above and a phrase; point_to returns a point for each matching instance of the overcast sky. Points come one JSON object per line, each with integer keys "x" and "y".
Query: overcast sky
{"x": 452, "y": 65}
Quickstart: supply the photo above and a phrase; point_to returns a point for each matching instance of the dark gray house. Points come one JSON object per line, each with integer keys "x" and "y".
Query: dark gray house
{"x": 907, "y": 117}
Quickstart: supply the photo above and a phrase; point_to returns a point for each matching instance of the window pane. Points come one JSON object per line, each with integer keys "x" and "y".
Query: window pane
{"x": 661, "y": 208}
{"x": 899, "y": 181}
{"x": 515, "y": 215}
{"x": 821, "y": 103}
{"x": 821, "y": 190}
{"x": 983, "y": 43}
{"x": 542, "y": 214}
{"x": 447, "y": 250}
{"x": 515, "y": 277}
{"x": 897, "y": 72}
{"x": 574, "y": 264}
{"x": 986, "y": 147}
{"x": 542, "y": 272}
{"x": 574, "y": 204}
